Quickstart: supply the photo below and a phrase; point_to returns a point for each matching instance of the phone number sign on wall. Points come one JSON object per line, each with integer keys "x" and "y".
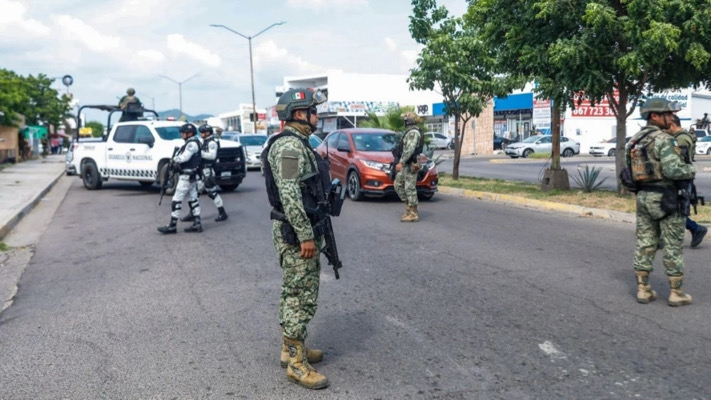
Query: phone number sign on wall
{"x": 593, "y": 111}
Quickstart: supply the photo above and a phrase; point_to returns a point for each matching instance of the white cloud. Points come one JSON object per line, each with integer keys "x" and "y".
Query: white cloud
{"x": 12, "y": 18}
{"x": 269, "y": 53}
{"x": 177, "y": 44}
{"x": 407, "y": 58}
{"x": 324, "y": 3}
{"x": 82, "y": 32}
{"x": 151, "y": 56}
{"x": 390, "y": 44}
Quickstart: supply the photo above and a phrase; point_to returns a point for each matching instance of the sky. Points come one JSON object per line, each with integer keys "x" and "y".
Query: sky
{"x": 110, "y": 45}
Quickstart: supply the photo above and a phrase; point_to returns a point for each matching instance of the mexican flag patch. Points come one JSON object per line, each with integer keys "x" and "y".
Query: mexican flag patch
{"x": 299, "y": 96}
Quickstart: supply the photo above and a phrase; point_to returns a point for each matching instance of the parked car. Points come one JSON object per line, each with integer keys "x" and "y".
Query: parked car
{"x": 230, "y": 135}
{"x": 606, "y": 148}
{"x": 703, "y": 145}
{"x": 361, "y": 157}
{"x": 700, "y": 133}
{"x": 436, "y": 140}
{"x": 542, "y": 144}
{"x": 253, "y": 144}
{"x": 501, "y": 142}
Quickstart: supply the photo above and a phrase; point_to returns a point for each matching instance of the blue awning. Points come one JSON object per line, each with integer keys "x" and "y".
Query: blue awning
{"x": 437, "y": 109}
{"x": 521, "y": 101}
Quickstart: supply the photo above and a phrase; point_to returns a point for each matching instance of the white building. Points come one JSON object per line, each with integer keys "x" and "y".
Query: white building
{"x": 351, "y": 95}
{"x": 239, "y": 120}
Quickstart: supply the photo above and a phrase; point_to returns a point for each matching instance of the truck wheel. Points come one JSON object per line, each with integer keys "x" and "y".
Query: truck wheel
{"x": 90, "y": 176}
{"x": 171, "y": 188}
{"x": 228, "y": 188}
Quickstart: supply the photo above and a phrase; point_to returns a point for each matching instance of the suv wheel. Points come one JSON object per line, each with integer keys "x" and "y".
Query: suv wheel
{"x": 354, "y": 192}
{"x": 611, "y": 153}
{"x": 568, "y": 152}
{"x": 527, "y": 153}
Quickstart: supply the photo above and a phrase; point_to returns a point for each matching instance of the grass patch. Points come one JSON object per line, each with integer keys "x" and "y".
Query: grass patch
{"x": 603, "y": 199}
{"x": 4, "y": 246}
{"x": 539, "y": 156}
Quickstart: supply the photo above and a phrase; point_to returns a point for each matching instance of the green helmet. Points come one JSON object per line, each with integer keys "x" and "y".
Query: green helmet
{"x": 658, "y": 105}
{"x": 130, "y": 91}
{"x": 410, "y": 118}
{"x": 297, "y": 99}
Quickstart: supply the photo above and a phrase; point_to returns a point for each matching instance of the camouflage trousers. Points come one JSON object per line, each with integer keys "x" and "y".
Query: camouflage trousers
{"x": 299, "y": 288}
{"x": 405, "y": 185}
{"x": 653, "y": 225}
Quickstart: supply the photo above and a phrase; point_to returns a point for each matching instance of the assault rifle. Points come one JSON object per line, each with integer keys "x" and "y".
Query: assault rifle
{"x": 168, "y": 176}
{"x": 329, "y": 205}
{"x": 695, "y": 198}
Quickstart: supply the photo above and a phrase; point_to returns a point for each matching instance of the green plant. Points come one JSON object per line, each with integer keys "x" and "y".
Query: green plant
{"x": 4, "y": 246}
{"x": 587, "y": 180}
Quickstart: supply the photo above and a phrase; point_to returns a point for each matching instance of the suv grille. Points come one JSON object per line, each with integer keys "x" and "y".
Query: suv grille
{"x": 229, "y": 154}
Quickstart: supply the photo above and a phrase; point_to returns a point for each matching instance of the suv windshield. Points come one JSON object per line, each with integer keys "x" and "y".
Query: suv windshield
{"x": 252, "y": 140}
{"x": 169, "y": 132}
{"x": 375, "y": 141}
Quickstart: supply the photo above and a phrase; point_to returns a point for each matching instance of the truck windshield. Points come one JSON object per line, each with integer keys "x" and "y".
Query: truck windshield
{"x": 169, "y": 132}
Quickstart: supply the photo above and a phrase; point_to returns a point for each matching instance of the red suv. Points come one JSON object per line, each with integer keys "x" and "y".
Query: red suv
{"x": 361, "y": 157}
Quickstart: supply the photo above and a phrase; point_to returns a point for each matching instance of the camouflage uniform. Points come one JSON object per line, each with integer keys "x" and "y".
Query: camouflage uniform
{"x": 687, "y": 140}
{"x": 406, "y": 180}
{"x": 289, "y": 160}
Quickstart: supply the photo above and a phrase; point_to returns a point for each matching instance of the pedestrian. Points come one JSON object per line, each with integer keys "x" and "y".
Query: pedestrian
{"x": 656, "y": 164}
{"x": 186, "y": 163}
{"x": 291, "y": 172}
{"x": 408, "y": 151}
{"x": 687, "y": 144}
{"x": 208, "y": 155}
{"x": 54, "y": 143}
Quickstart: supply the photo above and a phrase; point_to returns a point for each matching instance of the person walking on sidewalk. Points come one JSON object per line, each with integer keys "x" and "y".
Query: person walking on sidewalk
{"x": 655, "y": 164}
{"x": 187, "y": 163}
{"x": 687, "y": 144}
{"x": 408, "y": 152}
{"x": 208, "y": 153}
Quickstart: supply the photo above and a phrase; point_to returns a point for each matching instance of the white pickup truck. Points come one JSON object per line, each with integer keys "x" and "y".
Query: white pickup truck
{"x": 141, "y": 150}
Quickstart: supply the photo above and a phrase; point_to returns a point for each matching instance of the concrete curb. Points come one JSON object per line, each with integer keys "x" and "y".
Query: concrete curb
{"x": 523, "y": 202}
{"x": 5, "y": 229}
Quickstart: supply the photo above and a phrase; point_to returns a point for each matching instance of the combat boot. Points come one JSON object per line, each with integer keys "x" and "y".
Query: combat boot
{"x": 299, "y": 370}
{"x": 698, "y": 236}
{"x": 677, "y": 297}
{"x": 188, "y": 218}
{"x": 411, "y": 215}
{"x": 312, "y": 355}
{"x": 405, "y": 214}
{"x": 222, "y": 216}
{"x": 170, "y": 228}
{"x": 196, "y": 226}
{"x": 645, "y": 294}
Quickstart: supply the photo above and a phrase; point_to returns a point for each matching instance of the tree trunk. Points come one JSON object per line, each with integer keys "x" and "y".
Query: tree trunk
{"x": 555, "y": 132}
{"x": 621, "y": 135}
{"x": 457, "y": 147}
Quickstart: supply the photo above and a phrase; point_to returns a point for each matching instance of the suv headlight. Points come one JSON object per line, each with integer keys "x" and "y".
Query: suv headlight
{"x": 376, "y": 165}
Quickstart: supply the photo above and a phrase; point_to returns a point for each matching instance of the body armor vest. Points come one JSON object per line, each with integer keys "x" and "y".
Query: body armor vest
{"x": 645, "y": 164}
{"x": 194, "y": 161}
{"x": 397, "y": 150}
{"x": 309, "y": 191}
{"x": 206, "y": 147}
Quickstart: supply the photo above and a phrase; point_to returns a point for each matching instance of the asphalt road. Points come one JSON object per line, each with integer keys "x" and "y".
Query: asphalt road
{"x": 477, "y": 301}
{"x": 529, "y": 170}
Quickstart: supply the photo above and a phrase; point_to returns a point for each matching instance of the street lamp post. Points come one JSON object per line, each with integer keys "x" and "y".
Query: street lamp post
{"x": 251, "y": 68}
{"x": 180, "y": 88}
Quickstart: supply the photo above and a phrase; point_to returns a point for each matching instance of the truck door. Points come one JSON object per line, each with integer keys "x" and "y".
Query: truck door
{"x": 142, "y": 164}
{"x": 118, "y": 151}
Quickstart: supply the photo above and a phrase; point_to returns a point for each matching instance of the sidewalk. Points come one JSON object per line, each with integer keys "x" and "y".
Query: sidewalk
{"x": 23, "y": 185}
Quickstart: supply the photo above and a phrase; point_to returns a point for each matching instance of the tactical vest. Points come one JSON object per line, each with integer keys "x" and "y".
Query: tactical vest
{"x": 644, "y": 162}
{"x": 687, "y": 153}
{"x": 206, "y": 147}
{"x": 397, "y": 150}
{"x": 309, "y": 191}
{"x": 194, "y": 160}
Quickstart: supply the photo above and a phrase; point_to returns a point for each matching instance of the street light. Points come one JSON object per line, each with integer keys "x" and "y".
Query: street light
{"x": 180, "y": 88}
{"x": 251, "y": 68}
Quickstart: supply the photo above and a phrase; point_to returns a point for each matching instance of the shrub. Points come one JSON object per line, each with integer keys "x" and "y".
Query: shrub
{"x": 588, "y": 179}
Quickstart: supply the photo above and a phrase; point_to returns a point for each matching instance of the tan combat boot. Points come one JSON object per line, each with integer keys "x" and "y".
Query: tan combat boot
{"x": 406, "y": 214}
{"x": 411, "y": 215}
{"x": 677, "y": 297}
{"x": 312, "y": 355}
{"x": 645, "y": 294}
{"x": 299, "y": 370}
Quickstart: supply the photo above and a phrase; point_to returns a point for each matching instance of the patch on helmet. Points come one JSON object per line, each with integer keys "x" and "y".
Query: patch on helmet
{"x": 298, "y": 96}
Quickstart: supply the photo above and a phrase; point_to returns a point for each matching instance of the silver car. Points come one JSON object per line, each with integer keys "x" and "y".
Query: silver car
{"x": 253, "y": 144}
{"x": 542, "y": 144}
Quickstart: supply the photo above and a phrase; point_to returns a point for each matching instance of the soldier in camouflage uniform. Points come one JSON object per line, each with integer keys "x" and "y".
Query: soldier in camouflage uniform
{"x": 687, "y": 143}
{"x": 655, "y": 162}
{"x": 131, "y": 106}
{"x": 290, "y": 161}
{"x": 408, "y": 167}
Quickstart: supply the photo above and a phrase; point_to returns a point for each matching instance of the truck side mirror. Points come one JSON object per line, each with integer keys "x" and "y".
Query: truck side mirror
{"x": 147, "y": 140}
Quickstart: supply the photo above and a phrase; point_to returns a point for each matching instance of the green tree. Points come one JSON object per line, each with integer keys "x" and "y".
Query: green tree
{"x": 12, "y": 97}
{"x": 97, "y": 128}
{"x": 32, "y": 97}
{"x": 455, "y": 63}
{"x": 605, "y": 49}
{"x": 391, "y": 120}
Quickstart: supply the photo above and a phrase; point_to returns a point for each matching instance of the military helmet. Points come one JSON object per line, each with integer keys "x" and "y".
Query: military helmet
{"x": 658, "y": 105}
{"x": 188, "y": 128}
{"x": 410, "y": 118}
{"x": 205, "y": 128}
{"x": 130, "y": 91}
{"x": 298, "y": 99}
